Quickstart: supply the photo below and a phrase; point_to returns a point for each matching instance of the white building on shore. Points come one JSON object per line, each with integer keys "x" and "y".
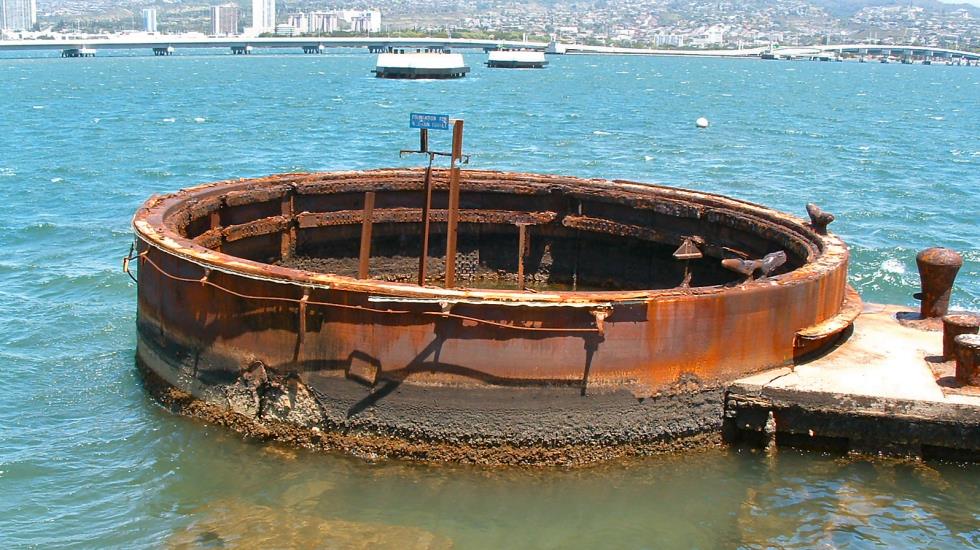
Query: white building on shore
{"x": 263, "y": 17}
{"x": 150, "y": 20}
{"x": 360, "y": 21}
{"x": 224, "y": 20}
{"x": 18, "y": 15}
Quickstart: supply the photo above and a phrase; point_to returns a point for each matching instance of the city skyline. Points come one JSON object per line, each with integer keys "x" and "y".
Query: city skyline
{"x": 623, "y": 23}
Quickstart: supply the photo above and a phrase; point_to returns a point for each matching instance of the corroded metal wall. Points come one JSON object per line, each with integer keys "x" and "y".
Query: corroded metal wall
{"x": 228, "y": 312}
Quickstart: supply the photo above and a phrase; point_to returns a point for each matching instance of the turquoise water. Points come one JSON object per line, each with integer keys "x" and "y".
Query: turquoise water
{"x": 87, "y": 460}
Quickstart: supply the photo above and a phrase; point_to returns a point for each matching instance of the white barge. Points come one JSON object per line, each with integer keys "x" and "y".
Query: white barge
{"x": 420, "y": 63}
{"x": 516, "y": 59}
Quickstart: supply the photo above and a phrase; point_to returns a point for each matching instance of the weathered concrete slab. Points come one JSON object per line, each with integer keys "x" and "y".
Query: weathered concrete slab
{"x": 877, "y": 392}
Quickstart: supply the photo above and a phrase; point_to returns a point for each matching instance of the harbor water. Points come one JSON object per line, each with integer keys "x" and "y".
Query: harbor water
{"x": 87, "y": 460}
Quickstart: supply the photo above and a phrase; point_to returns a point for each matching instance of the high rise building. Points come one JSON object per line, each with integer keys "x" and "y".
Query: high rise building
{"x": 324, "y": 22}
{"x": 263, "y": 16}
{"x": 18, "y": 15}
{"x": 330, "y": 21}
{"x": 224, "y": 20}
{"x": 150, "y": 20}
{"x": 299, "y": 21}
{"x": 361, "y": 20}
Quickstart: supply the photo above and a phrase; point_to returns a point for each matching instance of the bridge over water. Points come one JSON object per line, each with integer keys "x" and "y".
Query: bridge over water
{"x": 238, "y": 42}
{"x": 880, "y": 50}
{"x": 166, "y": 45}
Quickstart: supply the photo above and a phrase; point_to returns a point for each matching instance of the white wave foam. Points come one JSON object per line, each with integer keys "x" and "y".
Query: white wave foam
{"x": 893, "y": 265}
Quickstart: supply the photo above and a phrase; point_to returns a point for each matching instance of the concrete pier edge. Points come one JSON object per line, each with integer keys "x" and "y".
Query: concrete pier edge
{"x": 884, "y": 391}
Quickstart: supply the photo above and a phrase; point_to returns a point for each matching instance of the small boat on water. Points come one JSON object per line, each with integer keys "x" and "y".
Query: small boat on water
{"x": 516, "y": 59}
{"x": 420, "y": 63}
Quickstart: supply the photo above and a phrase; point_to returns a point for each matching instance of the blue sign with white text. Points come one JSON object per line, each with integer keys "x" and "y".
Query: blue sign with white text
{"x": 429, "y": 122}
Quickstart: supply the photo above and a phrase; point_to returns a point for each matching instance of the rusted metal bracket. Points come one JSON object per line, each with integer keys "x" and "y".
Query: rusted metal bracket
{"x": 688, "y": 250}
{"x": 819, "y": 219}
{"x": 302, "y": 313}
{"x": 755, "y": 269}
{"x": 600, "y": 316}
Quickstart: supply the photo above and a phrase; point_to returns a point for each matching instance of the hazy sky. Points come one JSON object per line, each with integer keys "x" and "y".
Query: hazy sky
{"x": 974, "y": 2}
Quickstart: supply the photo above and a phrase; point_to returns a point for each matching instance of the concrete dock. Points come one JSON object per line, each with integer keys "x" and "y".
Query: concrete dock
{"x": 884, "y": 390}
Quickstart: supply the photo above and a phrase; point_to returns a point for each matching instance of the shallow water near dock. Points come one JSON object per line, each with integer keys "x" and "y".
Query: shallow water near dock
{"x": 88, "y": 460}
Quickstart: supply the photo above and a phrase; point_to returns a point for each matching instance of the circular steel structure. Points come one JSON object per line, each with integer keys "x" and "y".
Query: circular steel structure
{"x": 289, "y": 305}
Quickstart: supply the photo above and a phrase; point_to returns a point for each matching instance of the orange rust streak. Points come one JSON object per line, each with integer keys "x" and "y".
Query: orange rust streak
{"x": 271, "y": 298}
{"x": 305, "y": 301}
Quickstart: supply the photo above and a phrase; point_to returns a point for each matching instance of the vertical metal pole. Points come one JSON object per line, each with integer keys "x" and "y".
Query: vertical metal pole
{"x": 302, "y": 314}
{"x": 423, "y": 140}
{"x": 452, "y": 228}
{"x": 423, "y": 257}
{"x": 457, "y": 139}
{"x": 288, "y": 235}
{"x": 367, "y": 223}
{"x": 521, "y": 247}
{"x": 215, "y": 222}
{"x": 578, "y": 252}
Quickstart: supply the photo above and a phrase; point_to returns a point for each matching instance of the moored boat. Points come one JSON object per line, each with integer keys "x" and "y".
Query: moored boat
{"x": 516, "y": 59}
{"x": 421, "y": 63}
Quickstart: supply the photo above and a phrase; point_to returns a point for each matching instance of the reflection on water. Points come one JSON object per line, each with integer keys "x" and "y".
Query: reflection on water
{"x": 237, "y": 524}
{"x": 266, "y": 496}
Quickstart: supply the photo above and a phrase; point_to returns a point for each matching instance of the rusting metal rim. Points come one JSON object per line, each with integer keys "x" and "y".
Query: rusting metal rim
{"x": 152, "y": 224}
